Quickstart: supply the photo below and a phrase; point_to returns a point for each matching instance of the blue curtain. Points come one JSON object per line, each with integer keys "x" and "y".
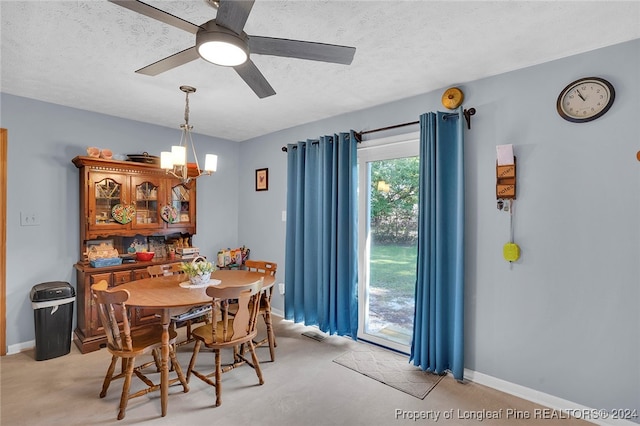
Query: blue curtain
{"x": 321, "y": 275}
{"x": 438, "y": 338}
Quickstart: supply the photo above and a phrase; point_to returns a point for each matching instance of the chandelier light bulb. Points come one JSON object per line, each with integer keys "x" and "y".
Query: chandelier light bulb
{"x": 210, "y": 163}
{"x": 179, "y": 154}
{"x": 166, "y": 160}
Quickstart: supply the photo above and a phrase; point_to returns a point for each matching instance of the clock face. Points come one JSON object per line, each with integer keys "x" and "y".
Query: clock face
{"x": 585, "y": 99}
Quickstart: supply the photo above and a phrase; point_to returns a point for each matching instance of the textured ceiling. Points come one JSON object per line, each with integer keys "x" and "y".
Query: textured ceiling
{"x": 83, "y": 54}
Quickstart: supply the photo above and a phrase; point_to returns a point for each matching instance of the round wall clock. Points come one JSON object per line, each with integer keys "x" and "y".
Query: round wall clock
{"x": 585, "y": 99}
{"x": 452, "y": 98}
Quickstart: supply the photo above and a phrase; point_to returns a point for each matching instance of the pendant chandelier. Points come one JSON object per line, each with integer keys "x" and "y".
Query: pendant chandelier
{"x": 175, "y": 162}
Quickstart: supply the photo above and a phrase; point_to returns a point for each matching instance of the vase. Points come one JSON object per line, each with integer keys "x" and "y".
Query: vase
{"x": 200, "y": 279}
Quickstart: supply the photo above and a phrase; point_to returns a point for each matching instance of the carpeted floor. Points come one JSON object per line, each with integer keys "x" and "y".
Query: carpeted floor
{"x": 302, "y": 387}
{"x": 389, "y": 368}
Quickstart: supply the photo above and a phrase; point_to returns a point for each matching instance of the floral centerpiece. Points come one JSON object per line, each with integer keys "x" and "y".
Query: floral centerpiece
{"x": 199, "y": 270}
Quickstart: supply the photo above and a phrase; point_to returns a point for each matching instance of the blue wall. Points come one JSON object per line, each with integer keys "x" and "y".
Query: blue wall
{"x": 563, "y": 320}
{"x": 43, "y": 138}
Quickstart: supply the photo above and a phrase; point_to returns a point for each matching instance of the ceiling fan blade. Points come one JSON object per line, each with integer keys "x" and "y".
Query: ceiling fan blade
{"x": 233, "y": 14}
{"x": 157, "y": 14}
{"x": 170, "y": 62}
{"x": 301, "y": 49}
{"x": 254, "y": 79}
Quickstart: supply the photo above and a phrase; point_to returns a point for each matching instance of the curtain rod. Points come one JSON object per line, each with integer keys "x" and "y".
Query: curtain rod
{"x": 467, "y": 115}
{"x": 359, "y": 134}
{"x": 364, "y": 132}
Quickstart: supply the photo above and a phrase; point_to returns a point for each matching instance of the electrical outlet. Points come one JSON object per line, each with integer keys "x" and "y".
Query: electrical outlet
{"x": 284, "y": 215}
{"x": 29, "y": 218}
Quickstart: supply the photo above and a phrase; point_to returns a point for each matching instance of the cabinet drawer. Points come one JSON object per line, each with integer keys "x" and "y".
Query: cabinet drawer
{"x": 139, "y": 274}
{"x": 96, "y": 278}
{"x": 121, "y": 277}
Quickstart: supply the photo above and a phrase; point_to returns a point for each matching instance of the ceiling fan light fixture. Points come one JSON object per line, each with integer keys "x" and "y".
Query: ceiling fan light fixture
{"x": 222, "y": 41}
{"x": 222, "y": 53}
{"x": 222, "y": 48}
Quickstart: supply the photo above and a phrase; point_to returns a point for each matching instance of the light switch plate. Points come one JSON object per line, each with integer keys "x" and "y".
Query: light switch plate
{"x": 29, "y": 218}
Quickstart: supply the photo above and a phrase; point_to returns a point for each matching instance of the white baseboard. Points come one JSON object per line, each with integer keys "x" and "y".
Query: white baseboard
{"x": 25, "y": 346}
{"x": 19, "y": 347}
{"x": 277, "y": 312}
{"x": 544, "y": 399}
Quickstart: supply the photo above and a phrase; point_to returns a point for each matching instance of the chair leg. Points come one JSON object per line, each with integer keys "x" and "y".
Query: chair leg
{"x": 270, "y": 335}
{"x": 188, "y": 338}
{"x": 176, "y": 365}
{"x": 188, "y": 330}
{"x": 196, "y": 349}
{"x": 156, "y": 359}
{"x": 256, "y": 363}
{"x": 218, "y": 378}
{"x": 109, "y": 375}
{"x": 124, "y": 398}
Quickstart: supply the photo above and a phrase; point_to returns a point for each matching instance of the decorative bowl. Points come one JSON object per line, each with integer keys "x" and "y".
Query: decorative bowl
{"x": 94, "y": 152}
{"x": 200, "y": 279}
{"x": 107, "y": 154}
{"x": 145, "y": 255}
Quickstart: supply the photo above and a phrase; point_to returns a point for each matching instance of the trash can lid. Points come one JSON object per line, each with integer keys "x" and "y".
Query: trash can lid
{"x": 52, "y": 291}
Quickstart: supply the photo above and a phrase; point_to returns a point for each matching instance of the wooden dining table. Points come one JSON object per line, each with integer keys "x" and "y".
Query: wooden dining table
{"x": 166, "y": 294}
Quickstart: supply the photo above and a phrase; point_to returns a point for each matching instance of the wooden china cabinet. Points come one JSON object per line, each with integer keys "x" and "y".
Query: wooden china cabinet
{"x": 120, "y": 200}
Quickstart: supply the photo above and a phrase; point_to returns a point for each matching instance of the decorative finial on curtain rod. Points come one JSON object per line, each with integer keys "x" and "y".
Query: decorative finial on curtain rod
{"x": 467, "y": 116}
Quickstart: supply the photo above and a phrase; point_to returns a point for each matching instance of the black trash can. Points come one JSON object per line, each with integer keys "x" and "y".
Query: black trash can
{"x": 52, "y": 305}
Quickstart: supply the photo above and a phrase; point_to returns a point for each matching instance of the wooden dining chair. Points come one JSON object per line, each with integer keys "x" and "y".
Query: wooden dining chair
{"x": 266, "y": 268}
{"x": 193, "y": 315}
{"x": 229, "y": 331}
{"x": 167, "y": 269}
{"x": 126, "y": 344}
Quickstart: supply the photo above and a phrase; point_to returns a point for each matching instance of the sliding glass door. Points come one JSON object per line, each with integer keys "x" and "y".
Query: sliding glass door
{"x": 388, "y": 209}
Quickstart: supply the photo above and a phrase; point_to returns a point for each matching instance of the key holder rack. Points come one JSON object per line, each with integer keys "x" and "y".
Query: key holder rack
{"x": 506, "y": 181}
{"x": 506, "y": 194}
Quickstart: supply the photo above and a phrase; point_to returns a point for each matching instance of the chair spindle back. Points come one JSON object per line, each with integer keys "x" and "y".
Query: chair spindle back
{"x": 264, "y": 267}
{"x": 112, "y": 311}
{"x": 242, "y": 323}
{"x": 161, "y": 270}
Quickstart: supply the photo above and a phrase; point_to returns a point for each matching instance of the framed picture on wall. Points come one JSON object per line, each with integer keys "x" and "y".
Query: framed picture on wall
{"x": 262, "y": 179}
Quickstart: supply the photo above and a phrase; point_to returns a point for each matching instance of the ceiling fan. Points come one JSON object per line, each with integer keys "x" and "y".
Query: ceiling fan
{"x": 222, "y": 41}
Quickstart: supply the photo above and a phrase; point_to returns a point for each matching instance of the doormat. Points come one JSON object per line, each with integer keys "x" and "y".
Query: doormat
{"x": 390, "y": 368}
{"x": 315, "y": 336}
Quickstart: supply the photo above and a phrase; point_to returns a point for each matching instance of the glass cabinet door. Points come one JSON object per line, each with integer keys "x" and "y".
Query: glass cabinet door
{"x": 105, "y": 192}
{"x": 184, "y": 204}
{"x": 147, "y": 196}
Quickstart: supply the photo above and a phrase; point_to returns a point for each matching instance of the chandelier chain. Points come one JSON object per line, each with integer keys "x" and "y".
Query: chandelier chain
{"x": 186, "y": 109}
